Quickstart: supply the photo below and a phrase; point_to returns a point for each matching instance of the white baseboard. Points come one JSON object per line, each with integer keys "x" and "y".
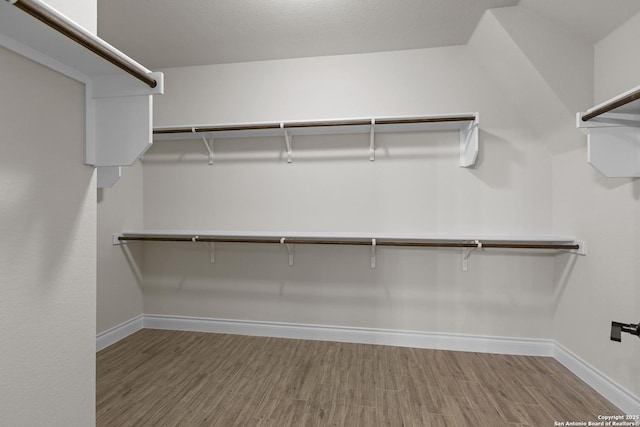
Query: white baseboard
{"x": 616, "y": 394}
{"x": 400, "y": 338}
{"x": 612, "y": 391}
{"x": 115, "y": 334}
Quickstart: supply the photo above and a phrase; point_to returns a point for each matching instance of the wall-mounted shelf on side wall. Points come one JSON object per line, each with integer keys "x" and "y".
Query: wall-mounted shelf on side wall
{"x": 118, "y": 90}
{"x": 614, "y": 135}
{"x": 466, "y": 124}
{"x": 468, "y": 244}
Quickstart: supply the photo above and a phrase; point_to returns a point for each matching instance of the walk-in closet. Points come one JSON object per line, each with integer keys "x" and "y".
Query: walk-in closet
{"x": 319, "y": 213}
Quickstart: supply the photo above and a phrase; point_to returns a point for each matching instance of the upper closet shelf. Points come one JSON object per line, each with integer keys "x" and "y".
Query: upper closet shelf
{"x": 466, "y": 124}
{"x": 614, "y": 135}
{"x": 118, "y": 90}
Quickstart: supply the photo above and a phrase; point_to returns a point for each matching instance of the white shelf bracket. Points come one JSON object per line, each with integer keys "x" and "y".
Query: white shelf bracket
{"x": 116, "y": 239}
{"x": 107, "y": 176}
{"x": 582, "y": 250}
{"x": 466, "y": 252}
{"x": 288, "y": 139}
{"x": 289, "y": 247}
{"x": 208, "y": 145}
{"x": 372, "y": 141}
{"x": 469, "y": 144}
{"x": 211, "y": 247}
{"x": 373, "y": 253}
{"x": 614, "y": 151}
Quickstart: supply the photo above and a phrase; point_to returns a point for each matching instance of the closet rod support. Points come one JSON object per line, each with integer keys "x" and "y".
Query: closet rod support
{"x": 372, "y": 141}
{"x": 582, "y": 248}
{"x": 208, "y": 144}
{"x": 373, "y": 253}
{"x": 289, "y": 247}
{"x": 466, "y": 252}
{"x": 287, "y": 140}
{"x": 469, "y": 143}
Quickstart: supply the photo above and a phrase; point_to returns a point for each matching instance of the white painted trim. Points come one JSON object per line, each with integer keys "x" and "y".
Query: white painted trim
{"x": 400, "y": 338}
{"x": 43, "y": 59}
{"x": 616, "y": 394}
{"x": 113, "y": 335}
{"x": 609, "y": 389}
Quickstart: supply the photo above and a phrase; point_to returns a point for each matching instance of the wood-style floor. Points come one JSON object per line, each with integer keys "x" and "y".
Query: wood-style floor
{"x": 169, "y": 378}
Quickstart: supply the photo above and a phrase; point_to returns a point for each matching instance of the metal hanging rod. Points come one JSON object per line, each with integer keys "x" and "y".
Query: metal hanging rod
{"x": 222, "y": 128}
{"x": 425, "y": 120}
{"x": 633, "y": 96}
{"x": 62, "y": 25}
{"x": 324, "y": 123}
{"x": 367, "y": 242}
{"x": 327, "y": 123}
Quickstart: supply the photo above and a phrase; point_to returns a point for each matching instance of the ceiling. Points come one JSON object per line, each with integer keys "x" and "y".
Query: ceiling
{"x": 590, "y": 19}
{"x": 169, "y": 33}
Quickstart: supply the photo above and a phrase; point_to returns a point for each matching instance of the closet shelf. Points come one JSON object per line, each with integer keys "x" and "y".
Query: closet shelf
{"x": 118, "y": 91}
{"x": 613, "y": 141}
{"x": 626, "y": 103}
{"x": 466, "y": 124}
{"x": 467, "y": 243}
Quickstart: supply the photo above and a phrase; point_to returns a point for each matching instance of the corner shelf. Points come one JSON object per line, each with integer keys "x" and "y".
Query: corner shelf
{"x": 288, "y": 239}
{"x": 466, "y": 124}
{"x": 613, "y": 139}
{"x": 118, "y": 95}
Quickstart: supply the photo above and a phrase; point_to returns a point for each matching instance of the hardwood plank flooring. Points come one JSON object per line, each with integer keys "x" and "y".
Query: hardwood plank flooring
{"x": 170, "y": 378}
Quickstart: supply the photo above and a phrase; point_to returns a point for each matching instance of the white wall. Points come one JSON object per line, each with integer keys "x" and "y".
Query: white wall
{"x": 415, "y": 185}
{"x": 119, "y": 281}
{"x": 83, "y": 12}
{"x": 605, "y": 212}
{"x": 616, "y": 71}
{"x": 47, "y": 250}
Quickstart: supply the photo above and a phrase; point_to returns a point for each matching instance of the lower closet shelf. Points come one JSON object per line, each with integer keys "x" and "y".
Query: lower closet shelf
{"x": 373, "y": 240}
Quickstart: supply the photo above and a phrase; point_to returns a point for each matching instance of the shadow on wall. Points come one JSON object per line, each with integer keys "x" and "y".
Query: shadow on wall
{"x": 613, "y": 183}
{"x": 497, "y": 157}
{"x": 409, "y": 288}
{"x": 309, "y": 148}
{"x": 563, "y": 269}
{"x": 134, "y": 256}
{"x": 41, "y": 225}
{"x": 635, "y": 185}
{"x": 44, "y": 188}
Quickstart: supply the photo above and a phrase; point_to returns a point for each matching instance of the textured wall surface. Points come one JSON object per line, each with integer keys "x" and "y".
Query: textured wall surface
{"x": 415, "y": 185}
{"x": 119, "y": 280}
{"x": 605, "y": 286}
{"x": 48, "y": 250}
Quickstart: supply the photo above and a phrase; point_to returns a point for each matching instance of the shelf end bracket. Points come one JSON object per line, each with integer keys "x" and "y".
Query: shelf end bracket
{"x": 582, "y": 248}
{"x": 469, "y": 143}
